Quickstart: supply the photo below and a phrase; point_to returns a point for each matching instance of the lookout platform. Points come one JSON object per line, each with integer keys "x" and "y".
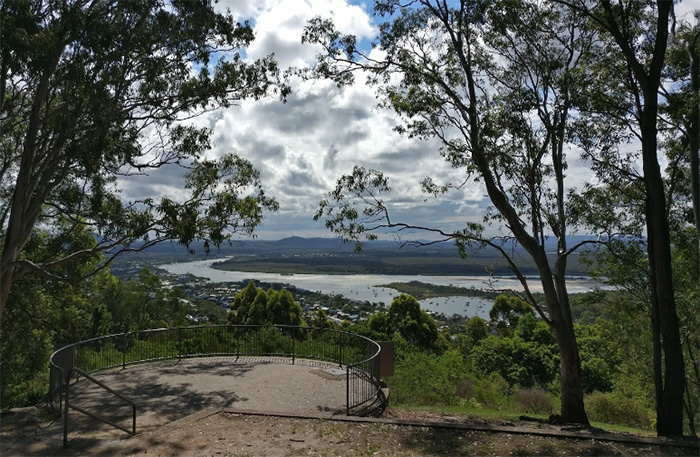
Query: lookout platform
{"x": 170, "y": 390}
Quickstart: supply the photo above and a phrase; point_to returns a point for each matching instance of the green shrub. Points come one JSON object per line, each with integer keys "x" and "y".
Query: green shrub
{"x": 535, "y": 401}
{"x": 25, "y": 392}
{"x": 493, "y": 392}
{"x": 466, "y": 389}
{"x": 421, "y": 380}
{"x": 519, "y": 362}
{"x": 613, "y": 408}
{"x": 596, "y": 375}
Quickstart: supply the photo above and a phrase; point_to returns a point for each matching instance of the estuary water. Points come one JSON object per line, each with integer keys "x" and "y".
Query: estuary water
{"x": 365, "y": 287}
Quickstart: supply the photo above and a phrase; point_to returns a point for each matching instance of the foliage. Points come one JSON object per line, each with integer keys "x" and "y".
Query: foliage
{"x": 379, "y": 323}
{"x": 525, "y": 357}
{"x": 618, "y": 409}
{"x": 520, "y": 363}
{"x": 475, "y": 330}
{"x": 493, "y": 392}
{"x": 687, "y": 280}
{"x": 535, "y": 401}
{"x": 362, "y": 328}
{"x": 93, "y": 91}
{"x": 601, "y": 356}
{"x": 424, "y": 379}
{"x": 207, "y": 312}
{"x": 427, "y": 379}
{"x": 320, "y": 320}
{"x": 534, "y": 330}
{"x": 25, "y": 345}
{"x": 253, "y": 306}
{"x": 42, "y": 315}
{"x": 496, "y": 83}
{"x": 406, "y": 318}
{"x": 500, "y": 371}
{"x": 145, "y": 303}
{"x": 506, "y": 312}
{"x": 630, "y": 75}
{"x": 587, "y": 307}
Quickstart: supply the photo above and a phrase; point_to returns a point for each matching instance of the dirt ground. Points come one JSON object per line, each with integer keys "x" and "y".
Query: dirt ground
{"x": 220, "y": 433}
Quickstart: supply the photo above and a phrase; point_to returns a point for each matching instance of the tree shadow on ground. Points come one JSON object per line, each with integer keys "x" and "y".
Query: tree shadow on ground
{"x": 439, "y": 441}
{"x": 435, "y": 441}
{"x": 227, "y": 368}
{"x": 161, "y": 396}
{"x": 164, "y": 392}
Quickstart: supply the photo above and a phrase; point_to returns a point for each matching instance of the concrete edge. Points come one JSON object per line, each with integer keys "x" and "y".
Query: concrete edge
{"x": 600, "y": 436}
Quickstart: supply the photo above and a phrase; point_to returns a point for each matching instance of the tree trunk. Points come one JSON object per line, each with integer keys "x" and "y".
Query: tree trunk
{"x": 572, "y": 406}
{"x": 694, "y": 132}
{"x": 554, "y": 288}
{"x": 6, "y": 277}
{"x": 657, "y": 351}
{"x": 670, "y": 407}
{"x": 645, "y": 81}
{"x": 7, "y": 272}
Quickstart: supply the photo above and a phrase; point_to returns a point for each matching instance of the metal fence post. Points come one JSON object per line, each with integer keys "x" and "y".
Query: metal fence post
{"x": 238, "y": 344}
{"x": 340, "y": 355}
{"x": 65, "y": 410}
{"x": 340, "y": 359}
{"x": 124, "y": 343}
{"x": 293, "y": 344}
{"x": 179, "y": 344}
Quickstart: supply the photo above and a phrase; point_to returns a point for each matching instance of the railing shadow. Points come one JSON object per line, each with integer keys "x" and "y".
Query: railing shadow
{"x": 113, "y": 354}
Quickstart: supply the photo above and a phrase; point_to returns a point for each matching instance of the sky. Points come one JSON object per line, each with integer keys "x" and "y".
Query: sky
{"x": 303, "y": 146}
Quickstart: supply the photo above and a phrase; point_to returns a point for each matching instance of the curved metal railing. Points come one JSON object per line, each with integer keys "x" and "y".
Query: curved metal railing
{"x": 358, "y": 354}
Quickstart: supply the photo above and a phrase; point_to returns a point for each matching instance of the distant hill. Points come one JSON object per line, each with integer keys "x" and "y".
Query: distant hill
{"x": 298, "y": 254}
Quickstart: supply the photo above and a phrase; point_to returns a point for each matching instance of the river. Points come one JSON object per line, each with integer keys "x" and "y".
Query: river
{"x": 364, "y": 287}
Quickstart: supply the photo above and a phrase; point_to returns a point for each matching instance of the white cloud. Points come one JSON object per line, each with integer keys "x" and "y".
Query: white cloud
{"x": 279, "y": 26}
{"x": 303, "y": 146}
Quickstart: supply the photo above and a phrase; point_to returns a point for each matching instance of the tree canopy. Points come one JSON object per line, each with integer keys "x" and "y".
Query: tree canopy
{"x": 496, "y": 83}
{"x": 253, "y": 306}
{"x": 508, "y": 88}
{"x": 406, "y": 318}
{"x": 96, "y": 91}
{"x": 635, "y": 76}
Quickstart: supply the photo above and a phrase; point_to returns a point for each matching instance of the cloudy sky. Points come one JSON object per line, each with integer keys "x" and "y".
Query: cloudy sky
{"x": 302, "y": 147}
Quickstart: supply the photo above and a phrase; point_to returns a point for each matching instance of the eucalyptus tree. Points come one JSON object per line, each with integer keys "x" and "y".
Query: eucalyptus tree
{"x": 95, "y": 90}
{"x": 416, "y": 326}
{"x": 634, "y": 37}
{"x": 681, "y": 130}
{"x": 496, "y": 83}
{"x": 683, "y": 70}
{"x": 253, "y": 306}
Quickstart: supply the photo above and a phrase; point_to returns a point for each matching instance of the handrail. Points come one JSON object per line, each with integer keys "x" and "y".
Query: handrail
{"x": 338, "y": 356}
{"x": 359, "y": 354}
{"x": 95, "y": 416}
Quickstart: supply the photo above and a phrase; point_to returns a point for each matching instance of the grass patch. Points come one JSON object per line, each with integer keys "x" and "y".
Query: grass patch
{"x": 623, "y": 429}
{"x": 512, "y": 416}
